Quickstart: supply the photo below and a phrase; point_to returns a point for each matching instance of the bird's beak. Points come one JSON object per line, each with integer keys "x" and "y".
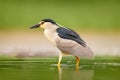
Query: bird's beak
{"x": 35, "y": 26}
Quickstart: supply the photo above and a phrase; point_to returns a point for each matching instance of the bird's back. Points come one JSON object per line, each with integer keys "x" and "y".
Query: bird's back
{"x": 70, "y": 34}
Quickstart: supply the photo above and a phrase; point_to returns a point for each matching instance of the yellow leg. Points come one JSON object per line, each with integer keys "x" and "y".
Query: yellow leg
{"x": 60, "y": 58}
{"x": 77, "y": 61}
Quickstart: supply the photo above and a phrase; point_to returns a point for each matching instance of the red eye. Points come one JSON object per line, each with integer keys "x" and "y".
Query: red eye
{"x": 42, "y": 22}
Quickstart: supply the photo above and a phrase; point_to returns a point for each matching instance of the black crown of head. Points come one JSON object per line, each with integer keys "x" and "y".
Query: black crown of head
{"x": 49, "y": 20}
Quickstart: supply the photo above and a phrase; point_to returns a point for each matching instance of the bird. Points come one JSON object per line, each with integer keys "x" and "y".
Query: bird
{"x": 65, "y": 39}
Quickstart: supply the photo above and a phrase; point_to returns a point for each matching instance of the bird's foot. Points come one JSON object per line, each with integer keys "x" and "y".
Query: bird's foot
{"x": 77, "y": 62}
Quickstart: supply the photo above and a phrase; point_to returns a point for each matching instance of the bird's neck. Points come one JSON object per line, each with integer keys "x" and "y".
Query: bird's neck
{"x": 50, "y": 33}
{"x": 51, "y": 28}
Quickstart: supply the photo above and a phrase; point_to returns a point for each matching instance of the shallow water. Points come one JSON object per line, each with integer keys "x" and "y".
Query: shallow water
{"x": 47, "y": 70}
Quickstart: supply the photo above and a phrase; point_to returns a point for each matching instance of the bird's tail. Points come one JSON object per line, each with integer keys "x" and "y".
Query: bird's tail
{"x": 89, "y": 52}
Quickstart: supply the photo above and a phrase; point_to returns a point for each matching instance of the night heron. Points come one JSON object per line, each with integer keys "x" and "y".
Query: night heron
{"x": 65, "y": 39}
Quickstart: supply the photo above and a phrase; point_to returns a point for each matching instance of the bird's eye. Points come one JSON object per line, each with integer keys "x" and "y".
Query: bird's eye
{"x": 42, "y": 22}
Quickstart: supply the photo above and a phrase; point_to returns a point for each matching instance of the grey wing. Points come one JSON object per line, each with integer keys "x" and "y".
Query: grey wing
{"x": 72, "y": 48}
{"x": 70, "y": 34}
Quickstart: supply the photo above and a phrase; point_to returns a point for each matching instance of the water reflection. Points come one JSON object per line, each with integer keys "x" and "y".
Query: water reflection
{"x": 21, "y": 70}
{"x": 39, "y": 71}
{"x": 75, "y": 74}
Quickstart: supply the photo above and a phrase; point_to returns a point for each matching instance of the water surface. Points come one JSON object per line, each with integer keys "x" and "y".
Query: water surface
{"x": 47, "y": 70}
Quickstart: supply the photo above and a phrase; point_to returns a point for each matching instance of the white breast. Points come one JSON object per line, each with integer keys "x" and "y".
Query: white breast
{"x": 50, "y": 35}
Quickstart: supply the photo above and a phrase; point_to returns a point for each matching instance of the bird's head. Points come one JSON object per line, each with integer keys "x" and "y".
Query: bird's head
{"x": 44, "y": 23}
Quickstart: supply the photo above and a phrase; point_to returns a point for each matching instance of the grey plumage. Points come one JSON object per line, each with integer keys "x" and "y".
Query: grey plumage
{"x": 71, "y": 47}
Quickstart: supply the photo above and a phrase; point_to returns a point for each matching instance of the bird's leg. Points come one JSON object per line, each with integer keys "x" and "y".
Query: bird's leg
{"x": 77, "y": 61}
{"x": 60, "y": 58}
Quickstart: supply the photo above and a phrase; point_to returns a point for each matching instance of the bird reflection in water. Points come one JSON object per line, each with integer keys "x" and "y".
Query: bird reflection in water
{"x": 75, "y": 74}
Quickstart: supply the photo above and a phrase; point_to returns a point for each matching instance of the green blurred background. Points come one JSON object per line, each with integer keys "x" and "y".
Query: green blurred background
{"x": 95, "y": 15}
{"x": 21, "y": 49}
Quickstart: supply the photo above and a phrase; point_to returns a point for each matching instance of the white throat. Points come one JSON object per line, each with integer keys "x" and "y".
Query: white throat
{"x": 50, "y": 33}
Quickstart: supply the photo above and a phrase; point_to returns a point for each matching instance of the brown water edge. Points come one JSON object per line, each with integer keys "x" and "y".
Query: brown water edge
{"x": 22, "y": 43}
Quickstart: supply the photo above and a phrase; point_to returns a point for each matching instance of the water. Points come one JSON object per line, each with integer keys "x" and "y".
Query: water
{"x": 47, "y": 70}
